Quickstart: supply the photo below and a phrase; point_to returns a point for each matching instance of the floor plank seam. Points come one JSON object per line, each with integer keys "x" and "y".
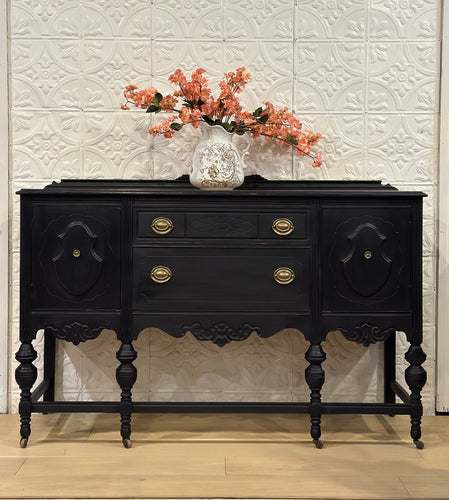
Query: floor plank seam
{"x": 406, "y": 489}
{"x": 19, "y": 469}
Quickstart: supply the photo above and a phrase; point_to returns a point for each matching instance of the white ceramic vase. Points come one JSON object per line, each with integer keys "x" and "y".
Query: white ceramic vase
{"x": 217, "y": 164}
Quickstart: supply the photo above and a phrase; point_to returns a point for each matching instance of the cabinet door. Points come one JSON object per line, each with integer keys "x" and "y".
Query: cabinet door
{"x": 75, "y": 256}
{"x": 366, "y": 258}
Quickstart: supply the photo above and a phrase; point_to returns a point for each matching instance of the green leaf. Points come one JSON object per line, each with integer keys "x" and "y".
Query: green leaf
{"x": 158, "y": 97}
{"x": 176, "y": 126}
{"x": 291, "y": 140}
{"x": 240, "y": 129}
{"x": 153, "y": 109}
{"x": 262, "y": 119}
{"x": 227, "y": 126}
{"x": 257, "y": 112}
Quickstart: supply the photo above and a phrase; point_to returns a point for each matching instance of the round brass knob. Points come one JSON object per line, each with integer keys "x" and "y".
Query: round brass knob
{"x": 283, "y": 275}
{"x": 76, "y": 253}
{"x": 162, "y": 225}
{"x": 283, "y": 227}
{"x": 367, "y": 254}
{"x": 160, "y": 274}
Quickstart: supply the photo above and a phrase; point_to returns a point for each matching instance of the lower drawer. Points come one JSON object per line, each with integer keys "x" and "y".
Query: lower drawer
{"x": 213, "y": 279}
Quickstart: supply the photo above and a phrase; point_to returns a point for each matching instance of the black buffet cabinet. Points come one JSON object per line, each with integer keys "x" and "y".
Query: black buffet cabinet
{"x": 313, "y": 256}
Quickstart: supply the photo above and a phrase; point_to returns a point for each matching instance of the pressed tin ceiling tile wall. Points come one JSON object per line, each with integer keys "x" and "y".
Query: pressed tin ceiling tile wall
{"x": 362, "y": 72}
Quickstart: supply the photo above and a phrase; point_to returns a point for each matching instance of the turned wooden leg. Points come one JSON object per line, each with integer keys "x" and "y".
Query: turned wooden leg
{"x": 315, "y": 380}
{"x": 26, "y": 375}
{"x": 416, "y": 377}
{"x": 126, "y": 375}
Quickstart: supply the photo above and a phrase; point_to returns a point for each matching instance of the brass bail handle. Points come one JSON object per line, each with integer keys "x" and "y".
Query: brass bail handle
{"x": 162, "y": 225}
{"x": 283, "y": 275}
{"x": 283, "y": 226}
{"x": 160, "y": 274}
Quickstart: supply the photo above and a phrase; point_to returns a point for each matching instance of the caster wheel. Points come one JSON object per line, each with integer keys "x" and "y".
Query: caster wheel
{"x": 23, "y": 442}
{"x": 127, "y": 443}
{"x": 419, "y": 444}
{"x": 318, "y": 444}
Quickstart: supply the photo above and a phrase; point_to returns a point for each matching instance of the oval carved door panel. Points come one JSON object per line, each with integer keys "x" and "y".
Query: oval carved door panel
{"x": 366, "y": 267}
{"x": 77, "y": 263}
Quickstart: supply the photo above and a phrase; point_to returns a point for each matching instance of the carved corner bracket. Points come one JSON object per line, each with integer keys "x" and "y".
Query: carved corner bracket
{"x": 221, "y": 333}
{"x": 367, "y": 334}
{"x": 75, "y": 332}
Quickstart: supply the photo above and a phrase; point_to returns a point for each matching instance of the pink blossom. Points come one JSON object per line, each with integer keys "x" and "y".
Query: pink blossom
{"x": 197, "y": 104}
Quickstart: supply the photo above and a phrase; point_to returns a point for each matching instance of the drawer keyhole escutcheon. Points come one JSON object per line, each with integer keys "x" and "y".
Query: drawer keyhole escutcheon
{"x": 160, "y": 274}
{"x": 76, "y": 253}
{"x": 283, "y": 275}
{"x": 162, "y": 225}
{"x": 367, "y": 254}
{"x": 282, "y": 227}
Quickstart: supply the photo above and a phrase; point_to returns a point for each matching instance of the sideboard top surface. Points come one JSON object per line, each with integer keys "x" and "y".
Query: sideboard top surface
{"x": 253, "y": 185}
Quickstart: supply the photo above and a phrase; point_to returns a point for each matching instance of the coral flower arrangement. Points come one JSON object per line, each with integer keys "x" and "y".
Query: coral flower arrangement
{"x": 193, "y": 103}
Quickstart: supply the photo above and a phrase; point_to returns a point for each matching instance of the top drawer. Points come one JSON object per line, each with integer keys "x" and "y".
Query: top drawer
{"x": 223, "y": 225}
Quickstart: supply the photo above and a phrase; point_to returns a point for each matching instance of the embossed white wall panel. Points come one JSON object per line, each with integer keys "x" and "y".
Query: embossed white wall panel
{"x": 365, "y": 73}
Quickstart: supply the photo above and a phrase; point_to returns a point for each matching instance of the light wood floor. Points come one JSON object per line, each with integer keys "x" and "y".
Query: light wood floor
{"x": 224, "y": 456}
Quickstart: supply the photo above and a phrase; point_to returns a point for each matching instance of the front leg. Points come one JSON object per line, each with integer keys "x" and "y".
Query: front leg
{"x": 126, "y": 375}
{"x": 26, "y": 375}
{"x": 315, "y": 380}
{"x": 416, "y": 377}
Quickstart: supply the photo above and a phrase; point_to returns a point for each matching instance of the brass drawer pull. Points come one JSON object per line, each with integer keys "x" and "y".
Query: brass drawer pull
{"x": 160, "y": 274}
{"x": 76, "y": 253}
{"x": 367, "y": 254}
{"x": 283, "y": 227}
{"x": 162, "y": 225}
{"x": 283, "y": 275}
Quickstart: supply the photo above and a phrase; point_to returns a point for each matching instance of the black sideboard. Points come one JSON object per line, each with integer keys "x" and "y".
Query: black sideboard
{"x": 313, "y": 256}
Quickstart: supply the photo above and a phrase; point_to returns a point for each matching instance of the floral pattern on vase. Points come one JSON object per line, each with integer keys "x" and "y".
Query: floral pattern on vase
{"x": 217, "y": 164}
